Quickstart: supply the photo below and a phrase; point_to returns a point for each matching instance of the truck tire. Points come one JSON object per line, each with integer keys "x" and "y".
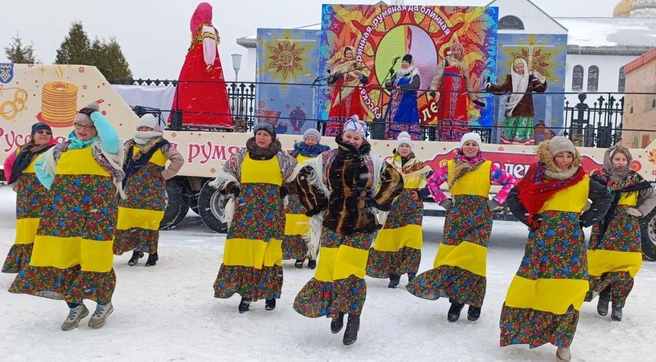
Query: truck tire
{"x": 648, "y": 232}
{"x": 193, "y": 201}
{"x": 177, "y": 204}
{"x": 211, "y": 206}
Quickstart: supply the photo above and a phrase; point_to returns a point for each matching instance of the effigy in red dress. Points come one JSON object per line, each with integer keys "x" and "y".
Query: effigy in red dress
{"x": 452, "y": 105}
{"x": 201, "y": 93}
{"x": 347, "y": 81}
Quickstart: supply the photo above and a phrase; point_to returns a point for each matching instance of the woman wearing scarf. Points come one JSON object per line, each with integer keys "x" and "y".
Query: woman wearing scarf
{"x": 459, "y": 270}
{"x": 402, "y": 112}
{"x": 615, "y": 251}
{"x": 31, "y": 196}
{"x": 347, "y": 79}
{"x": 518, "y": 125}
{"x": 72, "y": 257}
{"x": 255, "y": 177}
{"x": 397, "y": 248}
{"x": 342, "y": 189}
{"x": 140, "y": 213}
{"x": 297, "y": 225}
{"x": 544, "y": 298}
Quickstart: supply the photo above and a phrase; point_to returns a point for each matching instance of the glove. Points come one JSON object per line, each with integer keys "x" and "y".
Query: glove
{"x": 432, "y": 93}
{"x": 634, "y": 212}
{"x": 316, "y": 210}
{"x": 283, "y": 192}
{"x": 492, "y": 204}
{"x": 447, "y": 204}
{"x": 487, "y": 86}
{"x": 236, "y": 191}
{"x": 87, "y": 111}
{"x": 479, "y": 103}
{"x": 391, "y": 72}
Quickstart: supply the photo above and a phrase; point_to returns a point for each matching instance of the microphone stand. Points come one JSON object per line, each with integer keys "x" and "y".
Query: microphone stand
{"x": 382, "y": 88}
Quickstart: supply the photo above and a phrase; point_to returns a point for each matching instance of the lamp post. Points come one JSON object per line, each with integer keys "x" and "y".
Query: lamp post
{"x": 236, "y": 64}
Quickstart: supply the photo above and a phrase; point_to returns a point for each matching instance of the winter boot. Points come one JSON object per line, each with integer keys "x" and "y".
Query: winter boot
{"x": 411, "y": 277}
{"x": 312, "y": 264}
{"x": 337, "y": 323}
{"x": 152, "y": 259}
{"x": 604, "y": 300}
{"x": 75, "y": 315}
{"x": 454, "y": 311}
{"x": 616, "y": 314}
{"x": 473, "y": 313}
{"x": 563, "y": 354}
{"x": 99, "y": 317}
{"x": 136, "y": 255}
{"x": 352, "y": 328}
{"x": 270, "y": 304}
{"x": 299, "y": 264}
{"x": 394, "y": 281}
{"x": 244, "y": 305}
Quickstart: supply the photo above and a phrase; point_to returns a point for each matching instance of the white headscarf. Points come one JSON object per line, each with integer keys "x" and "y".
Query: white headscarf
{"x": 519, "y": 86}
{"x": 142, "y": 137}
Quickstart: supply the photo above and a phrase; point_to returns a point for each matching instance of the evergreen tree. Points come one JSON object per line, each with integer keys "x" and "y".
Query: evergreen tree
{"x": 21, "y": 54}
{"x": 75, "y": 49}
{"x": 109, "y": 58}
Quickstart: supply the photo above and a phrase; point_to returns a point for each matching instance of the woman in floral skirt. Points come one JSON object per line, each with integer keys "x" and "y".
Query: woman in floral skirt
{"x": 397, "y": 248}
{"x": 459, "y": 270}
{"x": 297, "y": 225}
{"x": 342, "y": 189}
{"x": 72, "y": 257}
{"x": 252, "y": 258}
{"x": 615, "y": 251}
{"x": 545, "y": 296}
{"x": 142, "y": 210}
{"x": 31, "y": 196}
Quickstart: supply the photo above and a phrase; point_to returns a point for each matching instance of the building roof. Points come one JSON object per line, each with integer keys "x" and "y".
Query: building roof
{"x": 537, "y": 7}
{"x": 617, "y": 36}
{"x": 640, "y": 61}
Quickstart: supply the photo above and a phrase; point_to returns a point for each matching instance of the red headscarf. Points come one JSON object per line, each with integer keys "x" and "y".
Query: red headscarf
{"x": 202, "y": 14}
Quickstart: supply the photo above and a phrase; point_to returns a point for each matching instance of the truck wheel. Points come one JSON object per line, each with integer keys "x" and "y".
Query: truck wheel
{"x": 211, "y": 206}
{"x": 193, "y": 201}
{"x": 648, "y": 232}
{"x": 177, "y": 204}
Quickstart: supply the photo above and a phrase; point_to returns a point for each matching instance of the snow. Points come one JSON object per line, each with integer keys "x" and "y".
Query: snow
{"x": 600, "y": 32}
{"x": 168, "y": 313}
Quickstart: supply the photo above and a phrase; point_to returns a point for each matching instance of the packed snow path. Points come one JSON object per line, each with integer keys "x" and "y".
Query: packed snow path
{"x": 168, "y": 313}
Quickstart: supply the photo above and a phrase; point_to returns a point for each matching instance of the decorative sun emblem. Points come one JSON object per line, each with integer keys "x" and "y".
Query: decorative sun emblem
{"x": 286, "y": 58}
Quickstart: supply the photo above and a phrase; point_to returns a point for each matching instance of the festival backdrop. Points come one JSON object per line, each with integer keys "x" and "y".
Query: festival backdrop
{"x": 286, "y": 67}
{"x": 380, "y": 33}
{"x": 546, "y": 54}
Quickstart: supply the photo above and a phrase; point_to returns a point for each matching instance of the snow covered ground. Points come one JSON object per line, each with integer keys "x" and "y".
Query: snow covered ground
{"x": 168, "y": 313}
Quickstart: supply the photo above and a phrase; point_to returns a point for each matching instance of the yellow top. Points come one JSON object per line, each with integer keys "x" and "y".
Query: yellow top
{"x": 301, "y": 159}
{"x": 476, "y": 182}
{"x": 158, "y": 157}
{"x": 629, "y": 198}
{"x": 257, "y": 171}
{"x": 79, "y": 162}
{"x": 571, "y": 199}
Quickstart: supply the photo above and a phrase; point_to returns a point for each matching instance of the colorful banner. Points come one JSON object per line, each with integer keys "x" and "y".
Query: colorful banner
{"x": 381, "y": 33}
{"x": 546, "y": 54}
{"x": 287, "y": 61}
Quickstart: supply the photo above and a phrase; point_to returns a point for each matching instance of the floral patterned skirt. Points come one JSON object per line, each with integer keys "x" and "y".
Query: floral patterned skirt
{"x": 548, "y": 290}
{"x": 459, "y": 270}
{"x": 137, "y": 239}
{"x": 18, "y": 258}
{"x": 297, "y": 227}
{"x": 338, "y": 284}
{"x": 518, "y": 131}
{"x": 397, "y": 248}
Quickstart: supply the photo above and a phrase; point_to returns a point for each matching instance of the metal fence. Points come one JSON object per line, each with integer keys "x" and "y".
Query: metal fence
{"x": 593, "y": 122}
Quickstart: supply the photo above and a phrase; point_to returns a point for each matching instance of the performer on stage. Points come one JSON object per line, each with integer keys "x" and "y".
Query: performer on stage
{"x": 201, "y": 93}
{"x": 402, "y": 112}
{"x": 455, "y": 89}
{"x": 347, "y": 78}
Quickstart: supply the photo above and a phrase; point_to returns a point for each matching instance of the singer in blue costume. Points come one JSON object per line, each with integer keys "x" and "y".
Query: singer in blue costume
{"x": 402, "y": 112}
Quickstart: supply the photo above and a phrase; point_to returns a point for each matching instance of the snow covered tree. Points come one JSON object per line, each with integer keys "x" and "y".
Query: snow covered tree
{"x": 21, "y": 54}
{"x": 75, "y": 49}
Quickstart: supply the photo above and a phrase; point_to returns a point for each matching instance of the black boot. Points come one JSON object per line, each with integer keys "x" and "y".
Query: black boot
{"x": 411, "y": 277}
{"x": 454, "y": 311}
{"x": 312, "y": 264}
{"x": 604, "y": 300}
{"x": 299, "y": 264}
{"x": 616, "y": 314}
{"x": 394, "y": 281}
{"x": 352, "y": 328}
{"x": 152, "y": 259}
{"x": 337, "y": 324}
{"x": 270, "y": 304}
{"x": 244, "y": 305}
{"x": 473, "y": 313}
{"x": 136, "y": 255}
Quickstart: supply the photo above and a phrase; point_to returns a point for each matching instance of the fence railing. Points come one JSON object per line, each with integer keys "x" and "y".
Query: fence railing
{"x": 589, "y": 119}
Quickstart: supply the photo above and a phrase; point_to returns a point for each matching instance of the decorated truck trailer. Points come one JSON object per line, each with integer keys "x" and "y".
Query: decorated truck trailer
{"x": 52, "y": 94}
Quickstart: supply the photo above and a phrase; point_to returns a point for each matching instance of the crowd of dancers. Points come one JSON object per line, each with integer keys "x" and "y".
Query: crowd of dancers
{"x": 85, "y": 199}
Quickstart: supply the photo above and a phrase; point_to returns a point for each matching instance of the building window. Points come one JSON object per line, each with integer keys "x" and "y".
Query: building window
{"x": 593, "y": 78}
{"x": 621, "y": 83}
{"x": 577, "y": 78}
{"x": 510, "y": 22}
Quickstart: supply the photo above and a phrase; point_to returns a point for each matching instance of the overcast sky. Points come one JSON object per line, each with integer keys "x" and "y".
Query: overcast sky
{"x": 155, "y": 35}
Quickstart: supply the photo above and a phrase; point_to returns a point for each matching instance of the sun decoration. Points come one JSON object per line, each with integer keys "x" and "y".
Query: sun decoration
{"x": 286, "y": 59}
{"x": 540, "y": 59}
